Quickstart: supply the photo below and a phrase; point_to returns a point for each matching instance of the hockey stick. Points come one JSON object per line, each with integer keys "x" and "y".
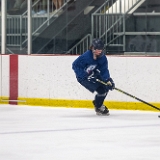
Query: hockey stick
{"x": 130, "y": 95}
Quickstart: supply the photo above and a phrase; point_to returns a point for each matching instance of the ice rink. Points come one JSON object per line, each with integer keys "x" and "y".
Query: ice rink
{"x": 44, "y": 133}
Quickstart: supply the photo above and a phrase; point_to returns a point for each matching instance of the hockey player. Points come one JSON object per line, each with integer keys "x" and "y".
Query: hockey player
{"x": 89, "y": 67}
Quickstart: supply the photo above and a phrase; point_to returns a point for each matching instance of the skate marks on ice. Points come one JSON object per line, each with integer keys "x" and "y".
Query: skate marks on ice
{"x": 32, "y": 133}
{"x": 74, "y": 119}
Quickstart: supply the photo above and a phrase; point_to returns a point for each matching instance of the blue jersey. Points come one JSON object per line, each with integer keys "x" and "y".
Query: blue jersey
{"x": 85, "y": 64}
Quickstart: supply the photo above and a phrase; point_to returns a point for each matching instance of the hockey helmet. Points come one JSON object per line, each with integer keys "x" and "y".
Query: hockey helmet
{"x": 98, "y": 44}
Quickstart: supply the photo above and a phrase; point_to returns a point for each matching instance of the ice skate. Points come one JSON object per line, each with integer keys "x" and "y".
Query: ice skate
{"x": 101, "y": 111}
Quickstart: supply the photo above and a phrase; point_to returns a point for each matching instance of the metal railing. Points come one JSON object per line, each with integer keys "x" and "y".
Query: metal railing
{"x": 106, "y": 21}
{"x": 17, "y": 28}
{"x": 42, "y": 22}
{"x": 17, "y": 24}
{"x": 81, "y": 46}
{"x": 110, "y": 19}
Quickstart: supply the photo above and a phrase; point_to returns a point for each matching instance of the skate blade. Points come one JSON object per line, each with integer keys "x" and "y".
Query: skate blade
{"x": 100, "y": 114}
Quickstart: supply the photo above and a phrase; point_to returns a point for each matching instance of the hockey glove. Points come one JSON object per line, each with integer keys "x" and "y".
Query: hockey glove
{"x": 93, "y": 76}
{"x": 111, "y": 84}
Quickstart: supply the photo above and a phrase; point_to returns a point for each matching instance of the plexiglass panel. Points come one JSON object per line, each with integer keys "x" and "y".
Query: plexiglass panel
{"x": 68, "y": 26}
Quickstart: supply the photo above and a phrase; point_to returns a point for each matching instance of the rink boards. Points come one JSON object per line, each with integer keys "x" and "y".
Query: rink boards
{"x": 49, "y": 80}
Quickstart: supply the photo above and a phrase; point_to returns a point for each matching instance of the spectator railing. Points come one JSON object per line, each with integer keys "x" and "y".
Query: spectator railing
{"x": 42, "y": 22}
{"x": 17, "y": 24}
{"x": 81, "y": 46}
{"x": 17, "y": 28}
{"x": 110, "y": 19}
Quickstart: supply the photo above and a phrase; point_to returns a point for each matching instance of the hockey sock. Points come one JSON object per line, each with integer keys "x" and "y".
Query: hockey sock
{"x": 99, "y": 99}
{"x": 100, "y": 96}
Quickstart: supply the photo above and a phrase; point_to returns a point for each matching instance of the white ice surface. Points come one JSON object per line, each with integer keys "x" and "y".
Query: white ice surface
{"x": 39, "y": 133}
